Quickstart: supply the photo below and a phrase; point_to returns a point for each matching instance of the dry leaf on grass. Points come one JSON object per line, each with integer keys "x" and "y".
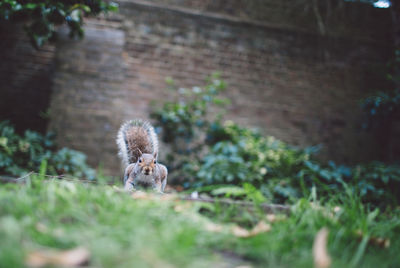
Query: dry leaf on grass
{"x": 261, "y": 227}
{"x": 118, "y": 189}
{"x": 40, "y": 227}
{"x": 137, "y": 194}
{"x": 212, "y": 227}
{"x": 320, "y": 252}
{"x": 169, "y": 197}
{"x": 376, "y": 241}
{"x": 275, "y": 217}
{"x": 62, "y": 258}
{"x": 271, "y": 217}
{"x": 141, "y": 195}
{"x": 240, "y": 232}
{"x": 382, "y": 242}
{"x": 182, "y": 207}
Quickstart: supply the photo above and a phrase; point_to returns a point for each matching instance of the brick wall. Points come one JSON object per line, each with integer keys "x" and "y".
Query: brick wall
{"x": 289, "y": 82}
{"x": 88, "y": 84}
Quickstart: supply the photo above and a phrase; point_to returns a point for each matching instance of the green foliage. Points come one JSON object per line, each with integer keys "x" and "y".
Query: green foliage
{"x": 212, "y": 153}
{"x": 377, "y": 182}
{"x": 41, "y": 18}
{"x": 184, "y": 120}
{"x": 247, "y": 192}
{"x": 381, "y": 107}
{"x": 18, "y": 154}
{"x": 36, "y": 152}
{"x": 282, "y": 172}
{"x": 185, "y": 117}
{"x": 68, "y": 161}
{"x": 241, "y": 154}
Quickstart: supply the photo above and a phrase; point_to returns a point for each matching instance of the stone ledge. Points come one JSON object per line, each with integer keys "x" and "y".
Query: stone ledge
{"x": 226, "y": 19}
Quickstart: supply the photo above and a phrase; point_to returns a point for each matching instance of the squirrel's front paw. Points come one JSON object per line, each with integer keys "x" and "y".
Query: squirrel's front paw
{"x": 128, "y": 187}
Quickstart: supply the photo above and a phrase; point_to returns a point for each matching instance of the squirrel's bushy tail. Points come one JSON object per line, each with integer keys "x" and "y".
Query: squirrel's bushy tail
{"x": 135, "y": 137}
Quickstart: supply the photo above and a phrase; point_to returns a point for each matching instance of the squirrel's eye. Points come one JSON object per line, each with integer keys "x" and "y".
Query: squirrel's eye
{"x": 140, "y": 160}
{"x": 154, "y": 161}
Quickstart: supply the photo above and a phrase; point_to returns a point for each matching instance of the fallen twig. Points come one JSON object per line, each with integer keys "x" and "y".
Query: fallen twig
{"x": 9, "y": 179}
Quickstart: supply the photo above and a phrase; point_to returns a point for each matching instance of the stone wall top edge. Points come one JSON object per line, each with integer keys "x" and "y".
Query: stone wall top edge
{"x": 218, "y": 18}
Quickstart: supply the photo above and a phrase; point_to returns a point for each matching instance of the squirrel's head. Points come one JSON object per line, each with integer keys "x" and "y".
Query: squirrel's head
{"x": 147, "y": 163}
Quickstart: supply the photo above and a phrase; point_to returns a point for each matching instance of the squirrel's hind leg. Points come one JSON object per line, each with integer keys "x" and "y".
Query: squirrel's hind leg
{"x": 163, "y": 184}
{"x": 159, "y": 186}
{"x": 163, "y": 174}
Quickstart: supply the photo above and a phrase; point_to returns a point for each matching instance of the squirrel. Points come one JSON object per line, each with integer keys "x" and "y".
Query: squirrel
{"x": 138, "y": 148}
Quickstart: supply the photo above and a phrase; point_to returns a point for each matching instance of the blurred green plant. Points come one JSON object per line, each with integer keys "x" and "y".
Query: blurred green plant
{"x": 240, "y": 155}
{"x": 282, "y": 172}
{"x": 68, "y": 161}
{"x": 381, "y": 105}
{"x": 183, "y": 122}
{"x": 42, "y": 17}
{"x": 36, "y": 152}
{"x": 206, "y": 152}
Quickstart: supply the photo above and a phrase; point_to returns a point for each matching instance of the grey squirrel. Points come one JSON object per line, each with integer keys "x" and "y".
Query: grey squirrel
{"x": 138, "y": 148}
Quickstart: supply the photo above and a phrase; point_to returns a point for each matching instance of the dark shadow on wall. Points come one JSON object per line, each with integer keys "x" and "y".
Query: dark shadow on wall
{"x": 25, "y": 79}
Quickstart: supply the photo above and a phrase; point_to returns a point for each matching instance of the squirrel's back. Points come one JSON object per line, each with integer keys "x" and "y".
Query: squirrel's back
{"x": 134, "y": 138}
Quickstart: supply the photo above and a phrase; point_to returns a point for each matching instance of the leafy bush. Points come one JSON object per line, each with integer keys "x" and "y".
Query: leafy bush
{"x": 42, "y": 17}
{"x": 377, "y": 182}
{"x": 239, "y": 155}
{"x": 208, "y": 152}
{"x": 185, "y": 120}
{"x": 68, "y": 161}
{"x": 380, "y": 106}
{"x": 21, "y": 154}
{"x": 281, "y": 172}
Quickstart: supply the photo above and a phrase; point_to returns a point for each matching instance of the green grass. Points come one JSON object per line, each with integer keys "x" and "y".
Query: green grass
{"x": 120, "y": 231}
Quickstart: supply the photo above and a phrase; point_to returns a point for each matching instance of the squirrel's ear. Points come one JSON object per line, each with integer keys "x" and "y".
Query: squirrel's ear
{"x": 140, "y": 152}
{"x": 155, "y": 155}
